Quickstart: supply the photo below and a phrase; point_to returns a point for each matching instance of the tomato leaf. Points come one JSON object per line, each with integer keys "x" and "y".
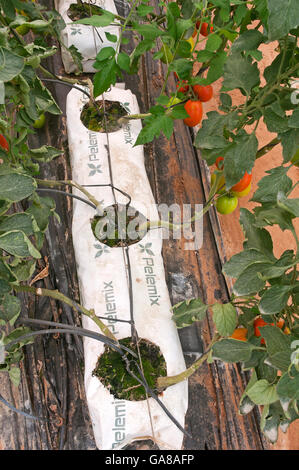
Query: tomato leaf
{"x": 10, "y": 308}
{"x": 239, "y": 72}
{"x": 274, "y": 299}
{"x": 98, "y": 21}
{"x": 153, "y": 127}
{"x": 232, "y": 350}
{"x": 225, "y": 318}
{"x": 105, "y": 77}
{"x": 16, "y": 186}
{"x": 18, "y": 244}
{"x": 281, "y": 22}
{"x": 269, "y": 186}
{"x": 247, "y": 41}
{"x": 189, "y": 311}
{"x": 255, "y": 237}
{"x": 240, "y": 158}
{"x": 239, "y": 262}
{"x": 263, "y": 393}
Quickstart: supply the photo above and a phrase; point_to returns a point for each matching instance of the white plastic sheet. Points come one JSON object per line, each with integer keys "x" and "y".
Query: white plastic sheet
{"x": 103, "y": 278}
{"x": 87, "y": 39}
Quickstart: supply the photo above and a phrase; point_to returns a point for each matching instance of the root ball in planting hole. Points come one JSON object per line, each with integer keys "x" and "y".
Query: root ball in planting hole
{"x": 103, "y": 118}
{"x": 119, "y": 225}
{"x": 111, "y": 369}
{"x": 83, "y": 10}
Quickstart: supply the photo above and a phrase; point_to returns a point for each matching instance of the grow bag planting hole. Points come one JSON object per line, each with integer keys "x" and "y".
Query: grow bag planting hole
{"x": 112, "y": 373}
{"x": 120, "y": 225}
{"x": 85, "y": 10}
{"x": 103, "y": 118}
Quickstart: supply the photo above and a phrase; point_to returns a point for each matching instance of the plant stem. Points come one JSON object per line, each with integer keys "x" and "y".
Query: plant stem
{"x": 55, "y": 294}
{"x": 267, "y": 148}
{"x": 52, "y": 183}
{"x": 163, "y": 382}
{"x": 128, "y": 117}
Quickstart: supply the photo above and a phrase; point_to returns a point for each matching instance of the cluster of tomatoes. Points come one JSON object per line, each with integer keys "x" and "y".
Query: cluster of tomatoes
{"x": 199, "y": 93}
{"x": 242, "y": 333}
{"x": 194, "y": 106}
{"x": 228, "y": 201}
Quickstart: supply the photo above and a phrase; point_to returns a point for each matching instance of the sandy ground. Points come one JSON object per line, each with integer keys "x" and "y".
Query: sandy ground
{"x": 231, "y": 230}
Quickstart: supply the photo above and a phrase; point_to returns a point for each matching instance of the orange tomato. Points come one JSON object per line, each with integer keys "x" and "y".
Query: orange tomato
{"x": 240, "y": 334}
{"x": 194, "y": 109}
{"x": 243, "y": 183}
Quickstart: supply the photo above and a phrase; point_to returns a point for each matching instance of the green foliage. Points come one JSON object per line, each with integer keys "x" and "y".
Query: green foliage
{"x": 23, "y": 98}
{"x": 189, "y": 311}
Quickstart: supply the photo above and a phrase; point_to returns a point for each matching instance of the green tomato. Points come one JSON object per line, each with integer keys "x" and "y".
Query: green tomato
{"x": 226, "y": 204}
{"x": 295, "y": 159}
{"x": 40, "y": 122}
{"x": 22, "y": 29}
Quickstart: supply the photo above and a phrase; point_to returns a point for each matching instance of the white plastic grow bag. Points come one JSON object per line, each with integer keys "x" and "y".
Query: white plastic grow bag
{"x": 103, "y": 279}
{"x": 87, "y": 39}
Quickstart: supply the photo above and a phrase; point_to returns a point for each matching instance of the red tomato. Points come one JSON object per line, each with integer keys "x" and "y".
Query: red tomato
{"x": 243, "y": 183}
{"x": 205, "y": 29}
{"x": 260, "y": 322}
{"x": 194, "y": 109}
{"x": 183, "y": 89}
{"x": 219, "y": 164}
{"x": 4, "y": 143}
{"x": 204, "y": 93}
